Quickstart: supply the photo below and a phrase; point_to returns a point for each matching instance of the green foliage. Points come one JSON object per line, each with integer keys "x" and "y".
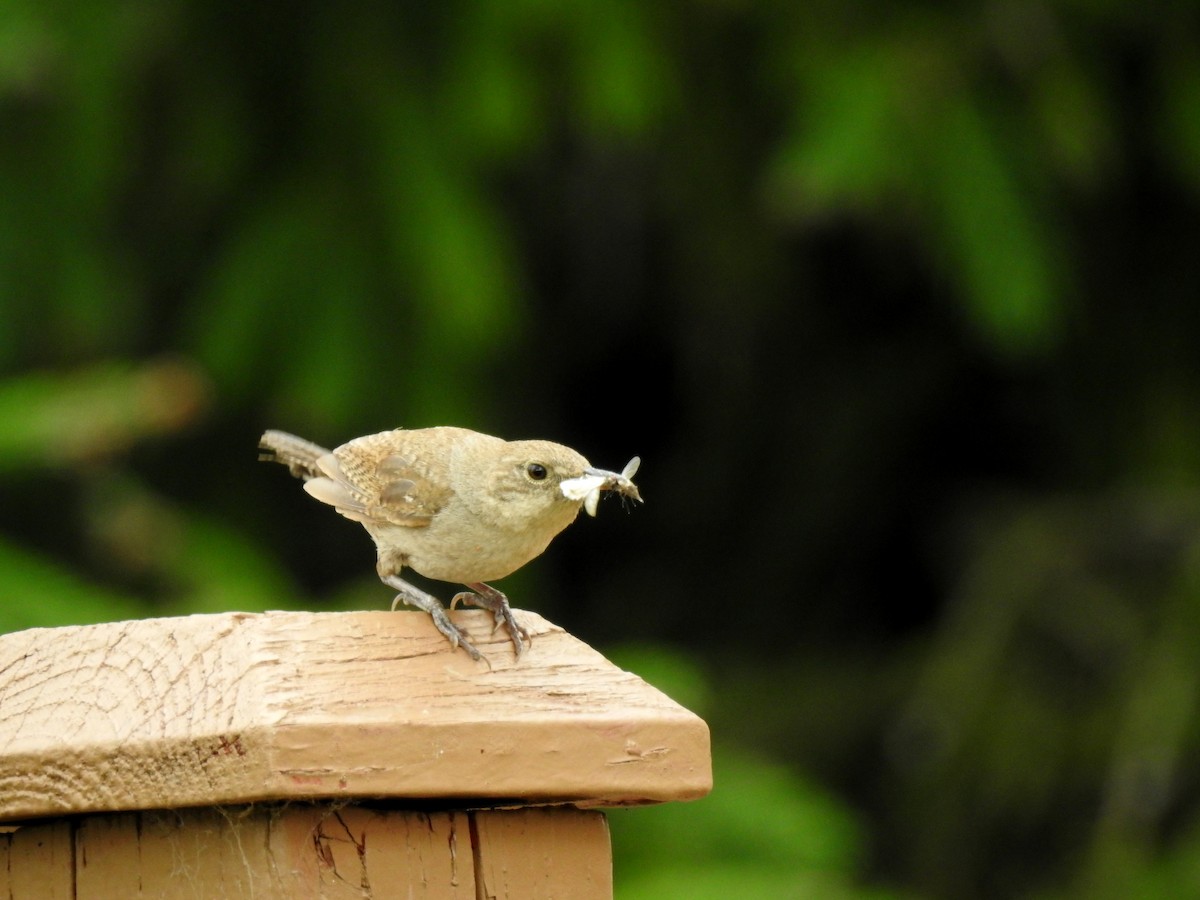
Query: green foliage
{"x": 951, "y": 165}
{"x": 56, "y": 420}
{"x": 761, "y": 824}
{"x": 763, "y": 828}
{"x": 41, "y": 594}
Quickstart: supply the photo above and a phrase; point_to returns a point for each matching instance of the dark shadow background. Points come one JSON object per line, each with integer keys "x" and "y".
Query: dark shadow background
{"x": 898, "y": 306}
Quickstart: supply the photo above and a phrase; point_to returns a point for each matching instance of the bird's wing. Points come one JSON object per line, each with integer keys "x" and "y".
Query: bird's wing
{"x": 411, "y": 490}
{"x": 383, "y": 478}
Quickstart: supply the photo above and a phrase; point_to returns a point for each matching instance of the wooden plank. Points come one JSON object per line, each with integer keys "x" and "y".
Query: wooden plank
{"x": 353, "y": 852}
{"x": 237, "y": 708}
{"x": 40, "y": 864}
{"x": 326, "y": 851}
{"x": 174, "y": 854}
{"x": 556, "y": 852}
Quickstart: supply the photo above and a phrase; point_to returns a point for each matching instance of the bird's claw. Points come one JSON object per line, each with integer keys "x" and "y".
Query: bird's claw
{"x": 441, "y": 620}
{"x": 454, "y": 634}
{"x": 491, "y": 599}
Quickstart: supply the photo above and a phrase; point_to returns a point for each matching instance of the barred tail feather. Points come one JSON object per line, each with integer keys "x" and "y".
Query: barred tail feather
{"x": 299, "y": 455}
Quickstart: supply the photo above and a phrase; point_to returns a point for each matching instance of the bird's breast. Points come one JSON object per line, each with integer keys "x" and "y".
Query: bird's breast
{"x": 460, "y": 551}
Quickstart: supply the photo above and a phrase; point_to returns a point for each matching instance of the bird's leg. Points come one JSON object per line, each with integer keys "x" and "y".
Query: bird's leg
{"x": 488, "y": 597}
{"x": 416, "y": 597}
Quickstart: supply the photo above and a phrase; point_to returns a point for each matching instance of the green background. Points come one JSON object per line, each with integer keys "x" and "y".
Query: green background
{"x": 898, "y": 304}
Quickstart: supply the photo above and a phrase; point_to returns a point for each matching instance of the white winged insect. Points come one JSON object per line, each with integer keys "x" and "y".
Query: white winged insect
{"x": 587, "y": 487}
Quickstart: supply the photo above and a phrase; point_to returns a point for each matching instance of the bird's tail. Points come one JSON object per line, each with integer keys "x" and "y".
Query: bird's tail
{"x": 299, "y": 455}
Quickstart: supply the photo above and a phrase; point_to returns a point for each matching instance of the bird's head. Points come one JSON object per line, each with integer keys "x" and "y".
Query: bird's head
{"x": 540, "y": 481}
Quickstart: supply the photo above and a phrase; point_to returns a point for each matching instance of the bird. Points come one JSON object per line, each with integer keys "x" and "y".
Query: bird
{"x": 453, "y": 505}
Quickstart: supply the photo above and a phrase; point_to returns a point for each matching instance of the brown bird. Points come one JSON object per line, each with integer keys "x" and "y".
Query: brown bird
{"x": 453, "y": 505}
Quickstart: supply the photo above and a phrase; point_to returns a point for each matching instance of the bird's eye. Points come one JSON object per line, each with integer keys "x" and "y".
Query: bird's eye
{"x": 536, "y": 471}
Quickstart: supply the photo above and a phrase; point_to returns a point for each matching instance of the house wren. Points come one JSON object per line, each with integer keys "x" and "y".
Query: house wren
{"x": 453, "y": 505}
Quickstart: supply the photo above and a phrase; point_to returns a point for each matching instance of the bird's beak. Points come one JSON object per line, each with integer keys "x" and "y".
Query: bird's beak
{"x": 587, "y": 487}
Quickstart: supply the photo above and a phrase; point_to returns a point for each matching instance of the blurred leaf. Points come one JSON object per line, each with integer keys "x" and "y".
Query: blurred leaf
{"x": 244, "y": 321}
{"x": 57, "y": 420}
{"x": 27, "y": 48}
{"x": 1075, "y": 123}
{"x": 40, "y": 593}
{"x": 450, "y": 249}
{"x": 840, "y": 152}
{"x": 893, "y": 128}
{"x": 492, "y": 90}
{"x": 1054, "y": 682}
{"x": 990, "y": 235}
{"x": 1150, "y": 750}
{"x": 758, "y": 813}
{"x": 621, "y": 75}
{"x": 1178, "y": 122}
{"x": 198, "y": 564}
{"x": 215, "y": 569}
{"x": 719, "y": 881}
{"x": 1175, "y": 873}
{"x": 671, "y": 671}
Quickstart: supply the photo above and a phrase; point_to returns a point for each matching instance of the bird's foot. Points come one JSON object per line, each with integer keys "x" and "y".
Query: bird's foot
{"x": 415, "y": 597}
{"x": 489, "y": 598}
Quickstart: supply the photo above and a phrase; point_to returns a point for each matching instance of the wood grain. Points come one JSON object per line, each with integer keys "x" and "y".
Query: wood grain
{"x": 38, "y": 863}
{"x": 543, "y": 853}
{"x": 238, "y": 708}
{"x": 326, "y": 851}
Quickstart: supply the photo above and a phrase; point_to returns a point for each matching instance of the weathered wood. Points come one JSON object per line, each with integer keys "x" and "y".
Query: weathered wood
{"x": 300, "y": 851}
{"x": 240, "y": 708}
{"x": 511, "y": 858}
{"x": 38, "y": 863}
